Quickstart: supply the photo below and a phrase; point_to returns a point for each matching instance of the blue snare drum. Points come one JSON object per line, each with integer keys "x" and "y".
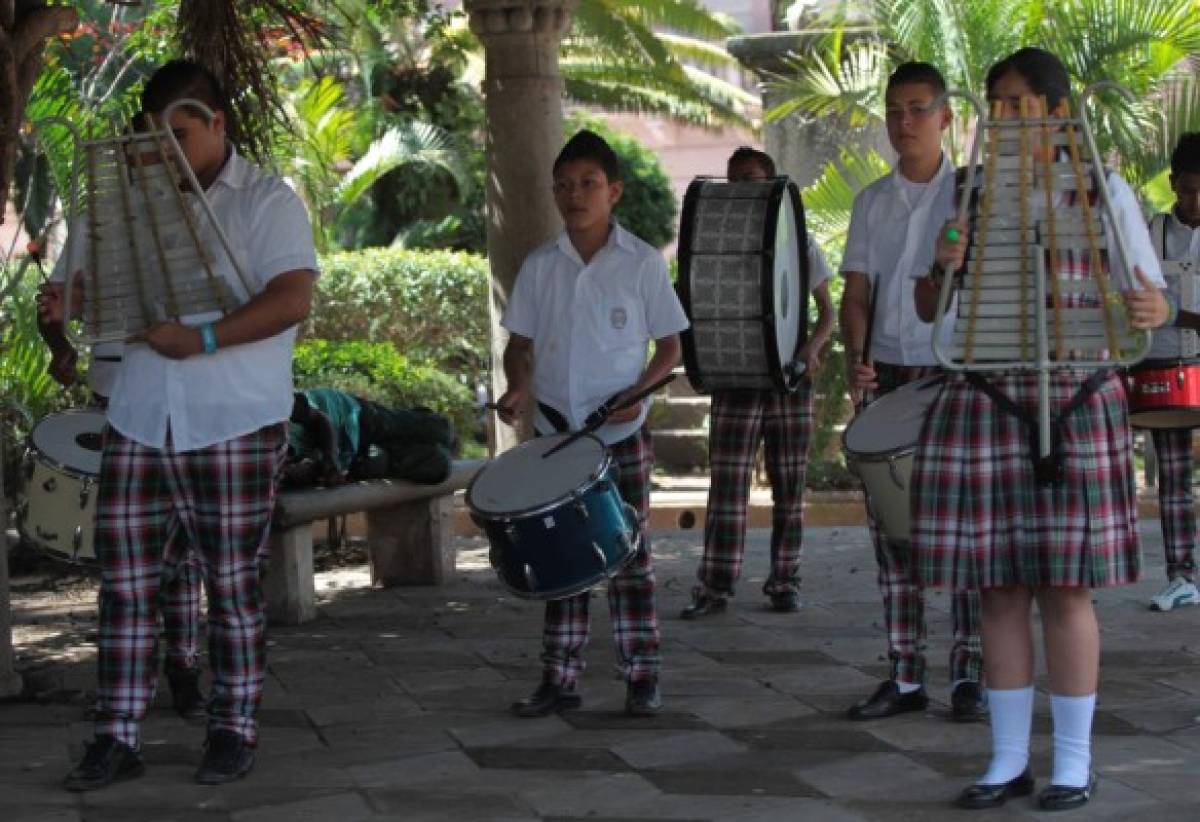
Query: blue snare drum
{"x": 557, "y": 526}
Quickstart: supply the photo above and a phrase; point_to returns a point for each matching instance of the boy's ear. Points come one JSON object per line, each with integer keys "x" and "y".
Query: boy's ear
{"x": 947, "y": 116}
{"x": 615, "y": 189}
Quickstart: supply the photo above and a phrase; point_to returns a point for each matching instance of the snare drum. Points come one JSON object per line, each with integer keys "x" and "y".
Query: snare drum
{"x": 62, "y": 466}
{"x": 879, "y": 444}
{"x": 743, "y": 283}
{"x": 1164, "y": 395}
{"x": 557, "y": 526}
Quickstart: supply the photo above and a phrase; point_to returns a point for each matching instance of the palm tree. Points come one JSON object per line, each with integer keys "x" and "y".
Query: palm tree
{"x": 1141, "y": 44}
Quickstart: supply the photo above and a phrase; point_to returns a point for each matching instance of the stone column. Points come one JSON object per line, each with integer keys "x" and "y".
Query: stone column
{"x": 10, "y": 680}
{"x": 523, "y": 94}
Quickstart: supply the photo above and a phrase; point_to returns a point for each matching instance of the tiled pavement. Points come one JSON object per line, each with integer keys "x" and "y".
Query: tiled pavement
{"x": 392, "y": 706}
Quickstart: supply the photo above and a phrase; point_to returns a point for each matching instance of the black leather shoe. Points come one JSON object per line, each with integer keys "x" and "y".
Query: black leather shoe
{"x": 785, "y": 601}
{"x": 703, "y": 604}
{"x": 642, "y": 698}
{"x": 227, "y": 757}
{"x": 968, "y": 704}
{"x": 979, "y": 796}
{"x": 106, "y": 760}
{"x": 186, "y": 696}
{"x": 888, "y": 701}
{"x": 1064, "y": 798}
{"x": 547, "y": 699}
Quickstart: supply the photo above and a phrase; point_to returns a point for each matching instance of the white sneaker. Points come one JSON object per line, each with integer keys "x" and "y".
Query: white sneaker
{"x": 1179, "y": 591}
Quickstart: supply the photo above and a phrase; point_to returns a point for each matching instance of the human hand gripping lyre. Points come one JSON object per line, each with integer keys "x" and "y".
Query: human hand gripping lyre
{"x": 951, "y": 249}
{"x": 1147, "y": 306}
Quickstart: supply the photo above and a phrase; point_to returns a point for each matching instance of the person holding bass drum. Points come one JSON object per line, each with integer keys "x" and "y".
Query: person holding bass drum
{"x": 781, "y": 420}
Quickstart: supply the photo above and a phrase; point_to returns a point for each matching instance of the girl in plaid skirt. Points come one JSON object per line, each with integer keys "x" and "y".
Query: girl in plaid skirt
{"x": 984, "y": 515}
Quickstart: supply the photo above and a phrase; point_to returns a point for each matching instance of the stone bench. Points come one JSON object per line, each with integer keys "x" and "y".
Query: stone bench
{"x": 410, "y": 536}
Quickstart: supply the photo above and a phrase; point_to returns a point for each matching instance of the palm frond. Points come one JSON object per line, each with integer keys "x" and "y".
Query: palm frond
{"x": 846, "y": 82}
{"x": 682, "y": 16}
{"x": 411, "y": 143}
{"x": 829, "y": 200}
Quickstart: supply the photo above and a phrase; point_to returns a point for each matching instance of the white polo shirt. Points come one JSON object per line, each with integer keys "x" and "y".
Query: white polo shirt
{"x": 818, "y": 267}
{"x": 591, "y": 323}
{"x": 1172, "y": 239}
{"x": 211, "y": 398}
{"x": 893, "y": 232}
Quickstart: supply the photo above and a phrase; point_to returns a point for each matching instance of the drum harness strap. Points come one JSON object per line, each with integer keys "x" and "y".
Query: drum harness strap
{"x": 554, "y": 417}
{"x": 1049, "y": 470}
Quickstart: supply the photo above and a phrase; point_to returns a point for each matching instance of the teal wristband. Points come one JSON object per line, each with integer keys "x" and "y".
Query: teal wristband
{"x": 208, "y": 335}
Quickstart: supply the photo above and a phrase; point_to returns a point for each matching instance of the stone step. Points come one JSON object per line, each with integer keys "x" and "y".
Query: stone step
{"x": 678, "y": 449}
{"x": 682, "y": 413}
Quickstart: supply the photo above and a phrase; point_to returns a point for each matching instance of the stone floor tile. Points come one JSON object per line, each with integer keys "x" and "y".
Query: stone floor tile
{"x": 873, "y": 775}
{"x": 669, "y": 749}
{"x": 415, "y": 770}
{"x": 349, "y": 806}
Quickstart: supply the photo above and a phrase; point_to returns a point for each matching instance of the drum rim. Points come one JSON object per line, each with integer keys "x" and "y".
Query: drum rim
{"x": 1162, "y": 364}
{"x": 782, "y": 185}
{"x": 32, "y": 448}
{"x": 606, "y": 465}
{"x": 899, "y": 451}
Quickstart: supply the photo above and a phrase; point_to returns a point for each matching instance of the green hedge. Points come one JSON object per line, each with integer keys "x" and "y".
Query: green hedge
{"x": 431, "y": 305}
{"x": 379, "y": 372}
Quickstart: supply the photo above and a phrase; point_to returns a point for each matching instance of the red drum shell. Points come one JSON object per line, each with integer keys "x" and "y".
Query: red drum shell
{"x": 1165, "y": 397}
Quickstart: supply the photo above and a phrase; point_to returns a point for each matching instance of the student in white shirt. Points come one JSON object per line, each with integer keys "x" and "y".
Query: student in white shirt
{"x": 782, "y": 421}
{"x": 1176, "y": 236}
{"x": 197, "y": 433}
{"x": 892, "y": 229}
{"x": 583, "y": 309}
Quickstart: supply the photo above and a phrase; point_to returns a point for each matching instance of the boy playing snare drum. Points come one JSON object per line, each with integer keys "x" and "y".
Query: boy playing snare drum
{"x": 580, "y": 316}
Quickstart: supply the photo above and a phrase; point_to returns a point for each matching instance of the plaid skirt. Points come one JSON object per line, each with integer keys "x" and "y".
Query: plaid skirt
{"x": 979, "y": 516}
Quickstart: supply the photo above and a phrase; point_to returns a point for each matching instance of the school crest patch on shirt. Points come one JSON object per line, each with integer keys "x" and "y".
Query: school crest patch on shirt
{"x": 618, "y": 318}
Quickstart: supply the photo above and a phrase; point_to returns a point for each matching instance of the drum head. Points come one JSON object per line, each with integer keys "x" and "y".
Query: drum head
{"x": 789, "y": 298}
{"x": 71, "y": 440}
{"x": 521, "y": 481}
{"x": 894, "y": 421}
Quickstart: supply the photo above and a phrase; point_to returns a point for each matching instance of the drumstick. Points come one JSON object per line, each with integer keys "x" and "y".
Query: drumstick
{"x": 866, "y": 351}
{"x": 598, "y": 417}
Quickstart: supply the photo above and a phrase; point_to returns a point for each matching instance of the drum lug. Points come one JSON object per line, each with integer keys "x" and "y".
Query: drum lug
{"x": 530, "y": 578}
{"x": 77, "y": 541}
{"x": 580, "y": 506}
{"x": 510, "y": 532}
{"x": 50, "y": 485}
{"x": 1180, "y": 377}
{"x": 600, "y": 557}
{"x": 85, "y": 492}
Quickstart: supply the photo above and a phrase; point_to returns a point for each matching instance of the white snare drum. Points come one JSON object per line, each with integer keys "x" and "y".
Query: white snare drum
{"x": 879, "y": 445}
{"x": 743, "y": 283}
{"x": 62, "y": 466}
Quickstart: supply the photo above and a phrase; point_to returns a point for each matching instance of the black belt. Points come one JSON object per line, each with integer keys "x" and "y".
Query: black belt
{"x": 1050, "y": 469}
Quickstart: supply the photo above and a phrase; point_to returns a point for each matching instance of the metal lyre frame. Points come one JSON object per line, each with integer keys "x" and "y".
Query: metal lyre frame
{"x": 152, "y": 265}
{"x": 1024, "y": 131}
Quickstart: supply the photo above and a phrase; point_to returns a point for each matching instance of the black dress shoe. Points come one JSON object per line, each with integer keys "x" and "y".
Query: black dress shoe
{"x": 227, "y": 757}
{"x": 785, "y": 601}
{"x": 107, "y": 760}
{"x": 547, "y": 699}
{"x": 980, "y": 796}
{"x": 642, "y": 698}
{"x": 967, "y": 703}
{"x": 186, "y": 696}
{"x": 1065, "y": 798}
{"x": 888, "y": 701}
{"x": 703, "y": 604}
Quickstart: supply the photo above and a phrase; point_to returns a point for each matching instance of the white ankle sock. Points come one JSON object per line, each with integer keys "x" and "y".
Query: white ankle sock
{"x": 907, "y": 687}
{"x": 1072, "y": 739}
{"x": 1012, "y": 718}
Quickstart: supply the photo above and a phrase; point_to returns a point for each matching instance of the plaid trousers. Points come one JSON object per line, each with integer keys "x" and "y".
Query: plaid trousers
{"x": 1173, "y": 447}
{"x": 738, "y": 420}
{"x": 903, "y": 597}
{"x": 221, "y": 498}
{"x": 179, "y": 609}
{"x": 630, "y": 592}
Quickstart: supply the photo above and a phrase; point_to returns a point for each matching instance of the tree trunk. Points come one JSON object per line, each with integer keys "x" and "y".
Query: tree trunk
{"x": 10, "y": 680}
{"x": 523, "y": 93}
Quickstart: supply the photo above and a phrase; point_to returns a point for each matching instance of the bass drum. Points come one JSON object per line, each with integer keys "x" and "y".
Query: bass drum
{"x": 743, "y": 282}
{"x": 57, "y": 512}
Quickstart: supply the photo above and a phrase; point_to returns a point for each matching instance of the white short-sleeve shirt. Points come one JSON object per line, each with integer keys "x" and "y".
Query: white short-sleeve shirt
{"x": 818, "y": 267}
{"x": 892, "y": 238}
{"x": 591, "y": 323}
{"x": 210, "y": 398}
{"x": 1173, "y": 240}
